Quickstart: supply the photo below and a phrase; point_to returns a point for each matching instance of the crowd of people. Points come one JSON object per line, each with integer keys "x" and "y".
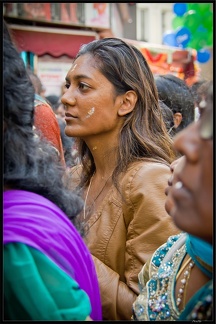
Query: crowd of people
{"x": 122, "y": 229}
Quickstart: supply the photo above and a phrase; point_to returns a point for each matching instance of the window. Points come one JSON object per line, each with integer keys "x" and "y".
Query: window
{"x": 144, "y": 23}
{"x": 166, "y": 19}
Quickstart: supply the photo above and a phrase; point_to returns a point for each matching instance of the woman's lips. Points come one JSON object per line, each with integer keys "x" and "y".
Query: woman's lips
{"x": 177, "y": 189}
{"x": 69, "y": 116}
{"x": 180, "y": 191}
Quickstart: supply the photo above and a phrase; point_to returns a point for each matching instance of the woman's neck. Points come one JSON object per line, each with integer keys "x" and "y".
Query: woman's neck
{"x": 105, "y": 157}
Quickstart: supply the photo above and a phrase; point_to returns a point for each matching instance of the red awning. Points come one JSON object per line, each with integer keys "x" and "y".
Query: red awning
{"x": 55, "y": 43}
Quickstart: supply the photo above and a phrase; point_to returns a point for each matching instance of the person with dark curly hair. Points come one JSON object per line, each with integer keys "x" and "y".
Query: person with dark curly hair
{"x": 48, "y": 271}
{"x": 175, "y": 93}
{"x": 112, "y": 108}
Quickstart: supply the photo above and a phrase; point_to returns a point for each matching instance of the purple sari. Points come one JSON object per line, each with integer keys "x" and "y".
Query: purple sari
{"x": 35, "y": 221}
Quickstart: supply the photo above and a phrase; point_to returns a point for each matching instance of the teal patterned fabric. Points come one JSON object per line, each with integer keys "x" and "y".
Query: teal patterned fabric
{"x": 156, "y": 301}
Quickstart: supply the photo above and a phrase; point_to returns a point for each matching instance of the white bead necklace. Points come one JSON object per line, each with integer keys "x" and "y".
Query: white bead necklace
{"x": 184, "y": 281}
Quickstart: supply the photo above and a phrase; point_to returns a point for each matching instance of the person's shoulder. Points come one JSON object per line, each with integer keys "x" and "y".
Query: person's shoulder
{"x": 38, "y": 100}
{"x": 148, "y": 164}
{"x": 144, "y": 177}
{"x": 145, "y": 169}
{"x": 42, "y": 106}
{"x": 160, "y": 254}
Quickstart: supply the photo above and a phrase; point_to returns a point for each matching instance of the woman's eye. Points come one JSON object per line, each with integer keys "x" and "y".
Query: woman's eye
{"x": 67, "y": 85}
{"x": 83, "y": 86}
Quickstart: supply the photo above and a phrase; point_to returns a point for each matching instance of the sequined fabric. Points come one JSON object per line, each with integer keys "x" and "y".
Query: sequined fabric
{"x": 156, "y": 301}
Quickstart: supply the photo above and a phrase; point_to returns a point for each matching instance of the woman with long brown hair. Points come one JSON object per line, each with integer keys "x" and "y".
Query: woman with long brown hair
{"x": 111, "y": 107}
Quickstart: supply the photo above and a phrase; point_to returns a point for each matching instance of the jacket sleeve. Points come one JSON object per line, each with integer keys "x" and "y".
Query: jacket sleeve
{"x": 117, "y": 297}
{"x": 148, "y": 226}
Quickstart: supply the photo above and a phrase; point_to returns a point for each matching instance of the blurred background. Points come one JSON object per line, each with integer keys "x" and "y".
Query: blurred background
{"x": 175, "y": 38}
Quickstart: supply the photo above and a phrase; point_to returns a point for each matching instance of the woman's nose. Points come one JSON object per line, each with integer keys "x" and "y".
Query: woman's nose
{"x": 68, "y": 98}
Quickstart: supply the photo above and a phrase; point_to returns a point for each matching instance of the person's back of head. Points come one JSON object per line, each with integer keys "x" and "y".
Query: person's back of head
{"x": 168, "y": 117}
{"x": 194, "y": 87}
{"x": 37, "y": 84}
{"x": 202, "y": 91}
{"x": 18, "y": 108}
{"x": 175, "y": 93}
{"x": 54, "y": 101}
{"x": 67, "y": 143}
{"x": 29, "y": 162}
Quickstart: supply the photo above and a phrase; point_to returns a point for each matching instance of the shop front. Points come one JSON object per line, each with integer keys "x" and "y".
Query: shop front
{"x": 166, "y": 59}
{"x": 50, "y": 51}
{"x": 49, "y": 35}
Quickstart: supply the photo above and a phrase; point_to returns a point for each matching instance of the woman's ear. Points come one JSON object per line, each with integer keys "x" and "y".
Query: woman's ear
{"x": 128, "y": 102}
{"x": 177, "y": 118}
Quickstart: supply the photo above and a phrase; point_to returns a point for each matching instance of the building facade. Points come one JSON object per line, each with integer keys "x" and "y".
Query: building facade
{"x": 48, "y": 35}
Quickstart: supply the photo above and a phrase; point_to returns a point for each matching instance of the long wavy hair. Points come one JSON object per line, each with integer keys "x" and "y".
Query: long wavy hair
{"x": 143, "y": 134}
{"x": 29, "y": 162}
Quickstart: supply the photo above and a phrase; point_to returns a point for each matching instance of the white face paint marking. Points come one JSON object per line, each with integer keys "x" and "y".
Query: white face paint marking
{"x": 90, "y": 112}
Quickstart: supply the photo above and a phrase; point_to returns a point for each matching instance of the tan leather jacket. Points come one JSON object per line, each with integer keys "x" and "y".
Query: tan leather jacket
{"x": 123, "y": 234}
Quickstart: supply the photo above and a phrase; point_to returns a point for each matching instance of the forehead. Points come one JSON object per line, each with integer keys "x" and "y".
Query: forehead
{"x": 84, "y": 64}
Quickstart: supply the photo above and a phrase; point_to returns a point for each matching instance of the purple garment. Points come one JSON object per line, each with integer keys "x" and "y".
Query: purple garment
{"x": 35, "y": 221}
